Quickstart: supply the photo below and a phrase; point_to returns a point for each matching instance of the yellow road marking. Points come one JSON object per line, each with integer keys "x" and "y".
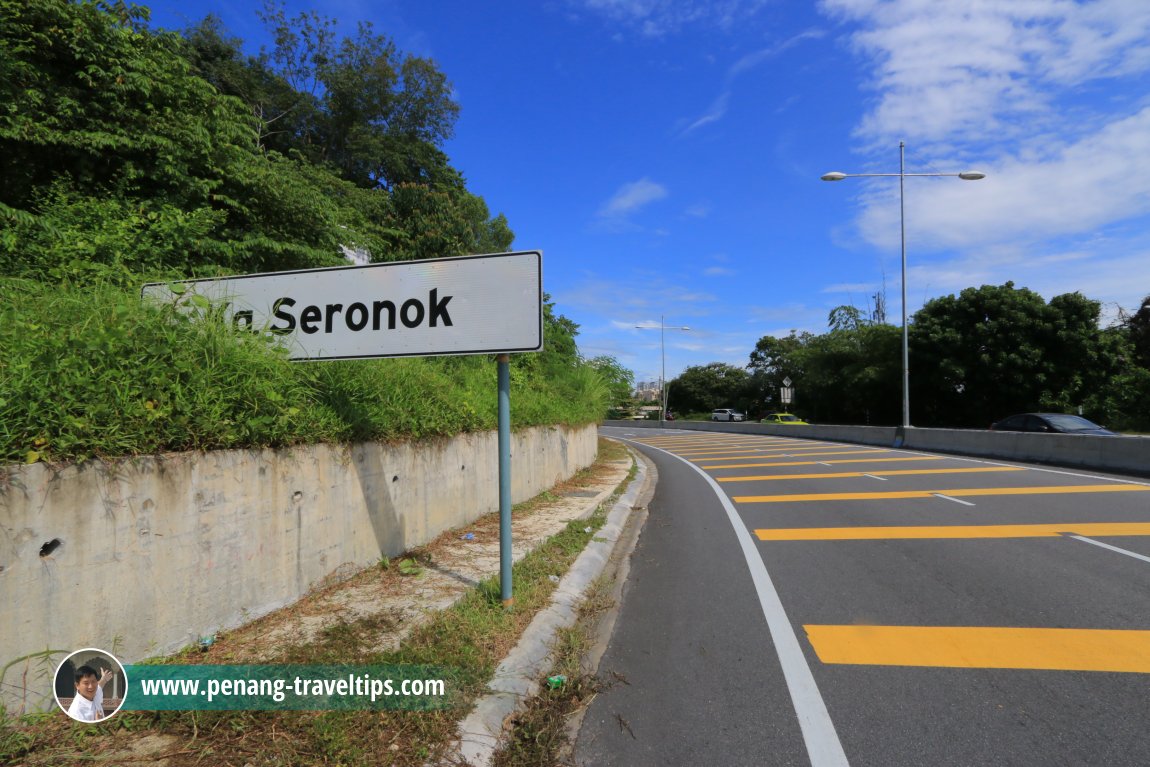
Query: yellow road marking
{"x": 899, "y": 532}
{"x": 741, "y": 449}
{"x": 1059, "y": 649}
{"x": 700, "y": 441}
{"x": 835, "y": 462}
{"x": 893, "y": 473}
{"x": 723, "y": 445}
{"x": 804, "y": 455}
{"x": 763, "y": 452}
{"x": 959, "y": 493}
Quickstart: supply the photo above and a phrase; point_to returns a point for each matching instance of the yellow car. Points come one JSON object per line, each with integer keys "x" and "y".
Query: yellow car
{"x": 783, "y": 418}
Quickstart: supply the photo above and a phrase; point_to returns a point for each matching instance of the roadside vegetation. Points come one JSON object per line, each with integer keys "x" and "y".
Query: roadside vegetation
{"x": 132, "y": 155}
{"x": 90, "y": 371}
{"x": 975, "y": 358}
{"x": 467, "y": 640}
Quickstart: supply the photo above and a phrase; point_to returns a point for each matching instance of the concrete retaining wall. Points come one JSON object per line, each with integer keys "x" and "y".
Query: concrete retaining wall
{"x": 144, "y": 556}
{"x": 1124, "y": 455}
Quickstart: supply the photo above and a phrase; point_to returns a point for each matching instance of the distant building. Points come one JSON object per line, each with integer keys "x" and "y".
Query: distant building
{"x": 648, "y": 391}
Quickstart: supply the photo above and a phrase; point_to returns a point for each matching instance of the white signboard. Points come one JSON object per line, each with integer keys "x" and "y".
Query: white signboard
{"x": 467, "y": 305}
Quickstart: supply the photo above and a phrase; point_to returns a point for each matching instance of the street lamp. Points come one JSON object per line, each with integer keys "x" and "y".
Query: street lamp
{"x": 663, "y": 358}
{"x": 969, "y": 175}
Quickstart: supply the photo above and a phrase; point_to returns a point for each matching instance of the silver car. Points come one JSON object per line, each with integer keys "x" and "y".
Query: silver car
{"x": 727, "y": 414}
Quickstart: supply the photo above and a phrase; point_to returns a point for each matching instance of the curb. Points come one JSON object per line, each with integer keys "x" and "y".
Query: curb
{"x": 517, "y": 678}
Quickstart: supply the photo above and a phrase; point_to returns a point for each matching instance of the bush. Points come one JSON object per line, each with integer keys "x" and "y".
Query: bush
{"x": 93, "y": 371}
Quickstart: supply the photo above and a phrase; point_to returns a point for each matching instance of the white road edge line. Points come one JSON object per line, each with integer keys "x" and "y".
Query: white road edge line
{"x": 872, "y": 476}
{"x": 948, "y": 498}
{"x": 819, "y": 735}
{"x": 1084, "y": 539}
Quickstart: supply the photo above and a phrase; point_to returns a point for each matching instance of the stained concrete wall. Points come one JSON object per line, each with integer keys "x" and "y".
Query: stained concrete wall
{"x": 146, "y": 555}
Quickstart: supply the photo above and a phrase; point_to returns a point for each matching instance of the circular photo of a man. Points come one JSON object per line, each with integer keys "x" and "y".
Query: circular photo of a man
{"x": 90, "y": 685}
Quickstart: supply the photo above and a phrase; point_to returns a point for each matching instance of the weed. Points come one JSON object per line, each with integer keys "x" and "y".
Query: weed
{"x": 130, "y": 378}
{"x": 466, "y": 641}
{"x": 409, "y": 567}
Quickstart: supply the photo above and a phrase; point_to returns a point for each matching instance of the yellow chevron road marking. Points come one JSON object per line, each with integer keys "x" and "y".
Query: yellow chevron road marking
{"x": 748, "y": 457}
{"x": 834, "y": 462}
{"x": 892, "y": 473}
{"x": 761, "y": 452}
{"x": 958, "y": 493}
{"x": 902, "y": 532}
{"x": 1059, "y": 649}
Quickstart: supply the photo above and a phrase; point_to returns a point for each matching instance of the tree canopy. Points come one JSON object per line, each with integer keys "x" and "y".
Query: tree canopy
{"x": 702, "y": 388}
{"x": 975, "y": 357}
{"x": 124, "y": 148}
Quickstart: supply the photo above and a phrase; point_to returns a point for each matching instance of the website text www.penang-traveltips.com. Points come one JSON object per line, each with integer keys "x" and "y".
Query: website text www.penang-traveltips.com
{"x": 360, "y": 686}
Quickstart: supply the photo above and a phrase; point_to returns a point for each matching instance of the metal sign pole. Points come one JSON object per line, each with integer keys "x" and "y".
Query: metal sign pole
{"x": 503, "y": 361}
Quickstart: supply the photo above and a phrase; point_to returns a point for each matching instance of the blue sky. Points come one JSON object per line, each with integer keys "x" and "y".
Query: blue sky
{"x": 665, "y": 156}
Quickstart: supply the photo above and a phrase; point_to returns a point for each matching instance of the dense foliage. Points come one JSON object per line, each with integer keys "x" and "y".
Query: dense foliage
{"x": 702, "y": 388}
{"x": 975, "y": 358}
{"x": 129, "y": 155}
{"x": 127, "y": 147}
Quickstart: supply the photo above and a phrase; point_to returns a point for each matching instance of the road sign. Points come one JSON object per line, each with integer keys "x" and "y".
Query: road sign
{"x": 467, "y": 305}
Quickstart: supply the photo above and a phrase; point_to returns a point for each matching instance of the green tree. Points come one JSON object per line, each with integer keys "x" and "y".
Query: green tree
{"x": 360, "y": 105}
{"x": 1137, "y": 327}
{"x": 282, "y": 113}
{"x": 851, "y": 376}
{"x": 772, "y": 360}
{"x": 703, "y": 388}
{"x": 996, "y": 350}
{"x": 620, "y": 381}
{"x": 371, "y": 114}
{"x": 103, "y": 116}
{"x": 845, "y": 317}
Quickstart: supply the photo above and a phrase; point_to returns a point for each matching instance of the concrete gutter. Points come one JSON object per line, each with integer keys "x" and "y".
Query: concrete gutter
{"x": 1120, "y": 454}
{"x": 517, "y": 678}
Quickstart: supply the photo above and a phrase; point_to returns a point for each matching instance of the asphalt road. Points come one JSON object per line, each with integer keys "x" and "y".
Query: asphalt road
{"x": 793, "y": 602}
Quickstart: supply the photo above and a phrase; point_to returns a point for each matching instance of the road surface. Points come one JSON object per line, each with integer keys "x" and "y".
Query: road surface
{"x": 797, "y": 602}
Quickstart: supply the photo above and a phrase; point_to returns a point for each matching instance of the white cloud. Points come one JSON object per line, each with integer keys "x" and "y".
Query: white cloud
{"x": 656, "y": 18}
{"x": 851, "y": 287}
{"x": 944, "y": 69}
{"x": 718, "y": 271}
{"x": 1079, "y": 187}
{"x": 715, "y": 112}
{"x": 1048, "y": 98}
{"x": 631, "y": 197}
{"x": 718, "y": 108}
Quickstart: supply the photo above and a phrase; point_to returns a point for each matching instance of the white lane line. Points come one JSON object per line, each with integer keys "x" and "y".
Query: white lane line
{"x": 948, "y": 498}
{"x": 872, "y": 476}
{"x": 819, "y": 735}
{"x": 1084, "y": 539}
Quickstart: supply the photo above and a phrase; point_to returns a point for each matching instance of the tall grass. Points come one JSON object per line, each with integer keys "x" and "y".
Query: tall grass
{"x": 91, "y": 370}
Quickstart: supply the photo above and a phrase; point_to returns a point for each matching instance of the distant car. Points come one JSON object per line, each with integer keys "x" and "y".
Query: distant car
{"x": 1049, "y": 423}
{"x": 727, "y": 414}
{"x": 784, "y": 418}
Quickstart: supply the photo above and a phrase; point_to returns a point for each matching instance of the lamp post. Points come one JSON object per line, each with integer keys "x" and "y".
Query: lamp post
{"x": 969, "y": 175}
{"x": 663, "y": 360}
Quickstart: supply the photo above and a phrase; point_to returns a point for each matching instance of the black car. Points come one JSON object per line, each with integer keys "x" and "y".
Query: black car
{"x": 1049, "y": 423}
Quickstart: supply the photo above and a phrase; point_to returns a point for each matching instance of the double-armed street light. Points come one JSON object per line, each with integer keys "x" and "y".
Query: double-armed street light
{"x": 970, "y": 175}
{"x": 663, "y": 358}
